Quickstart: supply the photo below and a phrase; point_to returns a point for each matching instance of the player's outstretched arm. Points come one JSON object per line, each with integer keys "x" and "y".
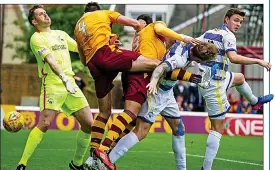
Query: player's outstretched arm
{"x": 57, "y": 70}
{"x": 157, "y": 73}
{"x": 239, "y": 59}
{"x": 126, "y": 21}
{"x": 161, "y": 29}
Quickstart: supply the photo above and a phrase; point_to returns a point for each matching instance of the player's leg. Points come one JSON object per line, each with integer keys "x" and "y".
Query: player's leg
{"x": 127, "y": 130}
{"x": 49, "y": 106}
{"x": 217, "y": 105}
{"x": 134, "y": 98}
{"x": 115, "y": 59}
{"x": 143, "y": 123}
{"x": 244, "y": 89}
{"x": 172, "y": 116}
{"x": 213, "y": 142}
{"x": 98, "y": 128}
{"x": 144, "y": 64}
{"x": 178, "y": 141}
{"x": 36, "y": 135}
{"x": 103, "y": 86}
{"x": 120, "y": 122}
{"x": 85, "y": 119}
{"x": 127, "y": 142}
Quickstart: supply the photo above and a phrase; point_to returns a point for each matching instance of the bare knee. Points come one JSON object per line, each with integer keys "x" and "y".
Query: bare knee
{"x": 218, "y": 127}
{"x": 45, "y": 119}
{"x": 144, "y": 64}
{"x": 142, "y": 130}
{"x": 44, "y": 125}
{"x": 238, "y": 79}
{"x": 85, "y": 118}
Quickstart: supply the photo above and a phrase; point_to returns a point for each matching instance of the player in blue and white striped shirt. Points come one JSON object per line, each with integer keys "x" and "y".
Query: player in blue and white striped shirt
{"x": 215, "y": 96}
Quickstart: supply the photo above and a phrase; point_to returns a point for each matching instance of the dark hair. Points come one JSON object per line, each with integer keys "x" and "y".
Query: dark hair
{"x": 31, "y": 13}
{"x": 233, "y": 11}
{"x": 92, "y": 6}
{"x": 147, "y": 18}
{"x": 205, "y": 51}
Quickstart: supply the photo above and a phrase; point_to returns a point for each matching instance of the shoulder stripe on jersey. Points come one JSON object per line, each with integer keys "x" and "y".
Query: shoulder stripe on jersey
{"x": 170, "y": 66}
{"x": 215, "y": 37}
{"x": 223, "y": 27}
{"x": 174, "y": 48}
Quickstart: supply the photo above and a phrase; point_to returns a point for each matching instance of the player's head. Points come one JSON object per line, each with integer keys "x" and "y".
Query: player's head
{"x": 233, "y": 19}
{"x": 144, "y": 20}
{"x": 38, "y": 17}
{"x": 91, "y": 7}
{"x": 204, "y": 52}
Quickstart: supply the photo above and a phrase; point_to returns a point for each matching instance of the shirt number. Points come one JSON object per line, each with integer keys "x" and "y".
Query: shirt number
{"x": 82, "y": 28}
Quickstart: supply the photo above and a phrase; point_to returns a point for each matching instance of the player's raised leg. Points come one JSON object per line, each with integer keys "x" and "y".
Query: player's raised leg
{"x": 244, "y": 89}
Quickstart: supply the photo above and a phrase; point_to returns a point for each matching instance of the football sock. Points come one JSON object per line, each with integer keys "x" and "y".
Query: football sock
{"x": 128, "y": 129}
{"x": 33, "y": 141}
{"x": 125, "y": 143}
{"x": 212, "y": 147}
{"x": 82, "y": 144}
{"x": 118, "y": 126}
{"x": 98, "y": 129}
{"x": 179, "y": 74}
{"x": 246, "y": 91}
{"x": 178, "y": 145}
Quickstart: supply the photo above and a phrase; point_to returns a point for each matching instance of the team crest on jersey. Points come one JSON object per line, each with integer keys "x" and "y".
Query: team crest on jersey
{"x": 40, "y": 52}
{"x": 60, "y": 38}
{"x": 50, "y": 100}
{"x": 150, "y": 114}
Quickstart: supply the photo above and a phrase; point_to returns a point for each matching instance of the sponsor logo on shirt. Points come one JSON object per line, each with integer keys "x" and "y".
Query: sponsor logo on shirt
{"x": 58, "y": 47}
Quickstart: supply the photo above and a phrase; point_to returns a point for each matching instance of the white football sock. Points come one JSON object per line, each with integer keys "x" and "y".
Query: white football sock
{"x": 246, "y": 91}
{"x": 212, "y": 147}
{"x": 123, "y": 145}
{"x": 178, "y": 145}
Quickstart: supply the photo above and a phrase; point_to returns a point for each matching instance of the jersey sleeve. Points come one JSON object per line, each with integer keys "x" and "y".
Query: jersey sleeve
{"x": 113, "y": 16}
{"x": 176, "y": 61}
{"x": 39, "y": 46}
{"x": 160, "y": 22}
{"x": 72, "y": 45}
{"x": 229, "y": 42}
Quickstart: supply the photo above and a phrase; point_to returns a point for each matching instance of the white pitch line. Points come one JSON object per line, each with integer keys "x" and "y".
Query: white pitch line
{"x": 199, "y": 156}
{"x": 159, "y": 152}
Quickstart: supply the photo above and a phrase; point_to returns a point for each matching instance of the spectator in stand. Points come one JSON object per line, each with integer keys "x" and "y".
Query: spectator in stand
{"x": 245, "y": 107}
{"x": 181, "y": 89}
{"x": 179, "y": 100}
{"x": 195, "y": 99}
{"x": 234, "y": 103}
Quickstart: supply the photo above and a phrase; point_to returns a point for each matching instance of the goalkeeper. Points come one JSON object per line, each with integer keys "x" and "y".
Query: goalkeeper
{"x": 59, "y": 91}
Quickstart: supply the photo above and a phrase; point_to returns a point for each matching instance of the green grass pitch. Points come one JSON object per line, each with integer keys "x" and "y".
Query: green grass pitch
{"x": 153, "y": 153}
